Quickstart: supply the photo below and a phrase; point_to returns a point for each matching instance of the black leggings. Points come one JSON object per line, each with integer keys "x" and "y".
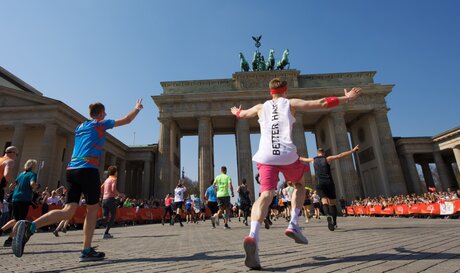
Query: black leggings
{"x": 168, "y": 209}
{"x": 109, "y": 205}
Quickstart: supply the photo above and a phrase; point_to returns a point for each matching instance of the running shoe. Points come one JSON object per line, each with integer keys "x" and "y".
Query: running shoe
{"x": 93, "y": 255}
{"x": 267, "y": 224}
{"x": 56, "y": 233}
{"x": 330, "y": 223}
{"x": 23, "y": 234}
{"x": 226, "y": 226}
{"x": 252, "y": 256}
{"x": 8, "y": 242}
{"x": 107, "y": 236}
{"x": 296, "y": 234}
{"x": 213, "y": 221}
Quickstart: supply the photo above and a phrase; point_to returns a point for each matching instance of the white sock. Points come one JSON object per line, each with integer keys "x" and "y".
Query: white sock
{"x": 294, "y": 217}
{"x": 254, "y": 232}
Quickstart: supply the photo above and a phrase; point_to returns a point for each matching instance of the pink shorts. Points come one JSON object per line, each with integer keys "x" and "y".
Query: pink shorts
{"x": 269, "y": 174}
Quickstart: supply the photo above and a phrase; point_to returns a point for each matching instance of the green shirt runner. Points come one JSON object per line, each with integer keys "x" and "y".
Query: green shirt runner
{"x": 222, "y": 181}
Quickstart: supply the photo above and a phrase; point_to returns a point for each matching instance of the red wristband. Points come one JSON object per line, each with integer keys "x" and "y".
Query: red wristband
{"x": 238, "y": 113}
{"x": 332, "y": 102}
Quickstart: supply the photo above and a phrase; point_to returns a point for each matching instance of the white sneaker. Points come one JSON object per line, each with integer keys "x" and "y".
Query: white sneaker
{"x": 252, "y": 256}
{"x": 296, "y": 234}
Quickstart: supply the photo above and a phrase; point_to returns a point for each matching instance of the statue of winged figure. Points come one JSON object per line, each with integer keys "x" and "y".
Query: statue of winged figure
{"x": 257, "y": 40}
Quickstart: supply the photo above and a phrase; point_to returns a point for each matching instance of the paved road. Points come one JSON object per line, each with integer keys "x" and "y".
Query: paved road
{"x": 359, "y": 245}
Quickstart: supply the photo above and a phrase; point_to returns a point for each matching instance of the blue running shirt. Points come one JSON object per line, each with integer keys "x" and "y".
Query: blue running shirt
{"x": 89, "y": 143}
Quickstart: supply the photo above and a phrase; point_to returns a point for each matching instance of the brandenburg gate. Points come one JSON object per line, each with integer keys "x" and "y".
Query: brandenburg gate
{"x": 202, "y": 107}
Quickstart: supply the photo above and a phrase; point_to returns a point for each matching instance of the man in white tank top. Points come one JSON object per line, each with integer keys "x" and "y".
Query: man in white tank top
{"x": 277, "y": 153}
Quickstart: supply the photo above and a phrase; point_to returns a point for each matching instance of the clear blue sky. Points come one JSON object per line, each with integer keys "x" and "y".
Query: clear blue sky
{"x": 112, "y": 51}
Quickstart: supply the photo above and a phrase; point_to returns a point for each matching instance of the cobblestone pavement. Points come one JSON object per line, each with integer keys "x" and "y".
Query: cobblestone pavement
{"x": 360, "y": 244}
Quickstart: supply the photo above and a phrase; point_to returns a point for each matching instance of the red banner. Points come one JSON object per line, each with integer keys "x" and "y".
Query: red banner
{"x": 350, "y": 211}
{"x": 401, "y": 209}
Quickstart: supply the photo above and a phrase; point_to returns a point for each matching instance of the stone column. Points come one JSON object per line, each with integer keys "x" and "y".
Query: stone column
{"x": 122, "y": 176}
{"x": 18, "y": 141}
{"x": 427, "y": 174}
{"x": 146, "y": 180}
{"x": 456, "y": 151}
{"x": 164, "y": 150}
{"x": 47, "y": 155}
{"x": 244, "y": 155}
{"x": 415, "y": 179}
{"x": 298, "y": 137}
{"x": 205, "y": 153}
{"x": 441, "y": 167}
{"x": 381, "y": 167}
{"x": 390, "y": 157}
{"x": 174, "y": 147}
{"x": 349, "y": 182}
{"x": 70, "y": 140}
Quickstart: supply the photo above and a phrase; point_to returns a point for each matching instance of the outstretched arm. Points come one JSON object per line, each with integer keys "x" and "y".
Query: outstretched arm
{"x": 329, "y": 102}
{"x": 342, "y": 155}
{"x": 249, "y": 113}
{"x": 306, "y": 160}
{"x": 131, "y": 115}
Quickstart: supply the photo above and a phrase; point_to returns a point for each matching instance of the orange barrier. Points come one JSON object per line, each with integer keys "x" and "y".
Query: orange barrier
{"x": 438, "y": 208}
{"x": 79, "y": 216}
{"x": 350, "y": 211}
{"x": 34, "y": 213}
{"x": 401, "y": 209}
{"x": 125, "y": 215}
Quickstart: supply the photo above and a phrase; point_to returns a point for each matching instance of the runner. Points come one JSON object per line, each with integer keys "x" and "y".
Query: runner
{"x": 24, "y": 185}
{"x": 179, "y": 201}
{"x": 168, "y": 209}
{"x": 211, "y": 201}
{"x": 277, "y": 153}
{"x": 188, "y": 209}
{"x": 223, "y": 182}
{"x": 306, "y": 205}
{"x": 245, "y": 201}
{"x": 109, "y": 203}
{"x": 7, "y": 168}
{"x": 316, "y": 204}
{"x": 326, "y": 186}
{"x": 82, "y": 177}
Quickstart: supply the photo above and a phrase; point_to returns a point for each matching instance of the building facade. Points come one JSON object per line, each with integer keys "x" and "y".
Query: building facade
{"x": 43, "y": 129}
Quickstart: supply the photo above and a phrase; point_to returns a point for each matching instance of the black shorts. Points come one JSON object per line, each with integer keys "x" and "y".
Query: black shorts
{"x": 224, "y": 202}
{"x": 20, "y": 210}
{"x": 307, "y": 202}
{"x": 178, "y": 205}
{"x": 326, "y": 190}
{"x": 213, "y": 207}
{"x": 86, "y": 181}
{"x": 316, "y": 205}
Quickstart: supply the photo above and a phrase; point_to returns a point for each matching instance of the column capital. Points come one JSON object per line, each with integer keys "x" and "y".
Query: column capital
{"x": 381, "y": 110}
{"x": 165, "y": 121}
{"x": 204, "y": 118}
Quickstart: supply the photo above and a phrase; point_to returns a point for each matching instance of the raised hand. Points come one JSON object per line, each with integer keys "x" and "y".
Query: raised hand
{"x": 139, "y": 105}
{"x": 356, "y": 148}
{"x": 235, "y": 110}
{"x": 353, "y": 93}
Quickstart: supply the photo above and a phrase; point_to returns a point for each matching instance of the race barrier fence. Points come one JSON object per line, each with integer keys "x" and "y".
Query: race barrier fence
{"x": 122, "y": 214}
{"x": 442, "y": 208}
